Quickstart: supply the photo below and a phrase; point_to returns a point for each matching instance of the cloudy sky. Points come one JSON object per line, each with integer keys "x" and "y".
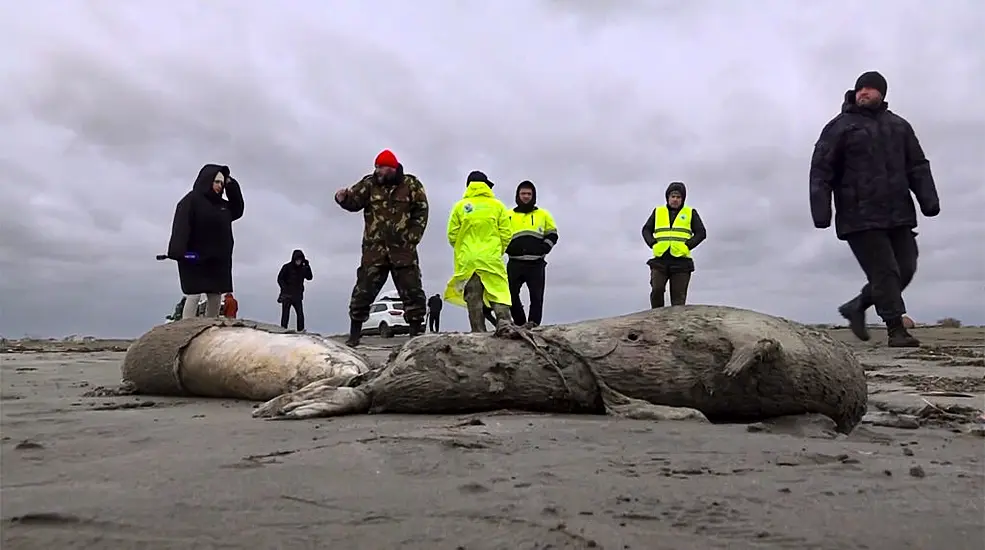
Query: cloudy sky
{"x": 108, "y": 109}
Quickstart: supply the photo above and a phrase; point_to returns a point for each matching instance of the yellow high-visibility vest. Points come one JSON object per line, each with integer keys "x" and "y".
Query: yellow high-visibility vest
{"x": 533, "y": 227}
{"x": 671, "y": 238}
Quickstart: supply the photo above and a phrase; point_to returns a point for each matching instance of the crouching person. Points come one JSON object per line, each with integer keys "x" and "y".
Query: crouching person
{"x": 479, "y": 231}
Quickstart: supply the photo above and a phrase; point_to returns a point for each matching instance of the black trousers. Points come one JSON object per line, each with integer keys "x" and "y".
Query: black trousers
{"x": 532, "y": 274}
{"x": 434, "y": 321}
{"x": 889, "y": 260}
{"x": 679, "y": 281}
{"x": 285, "y": 312}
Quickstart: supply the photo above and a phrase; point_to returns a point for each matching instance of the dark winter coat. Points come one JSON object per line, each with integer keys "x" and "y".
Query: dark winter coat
{"x": 869, "y": 160}
{"x": 203, "y": 224}
{"x": 435, "y": 304}
{"x": 292, "y": 277}
{"x": 668, "y": 262}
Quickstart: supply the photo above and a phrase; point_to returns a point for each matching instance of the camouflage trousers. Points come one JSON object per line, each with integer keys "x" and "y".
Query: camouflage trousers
{"x": 369, "y": 282}
{"x": 477, "y": 311}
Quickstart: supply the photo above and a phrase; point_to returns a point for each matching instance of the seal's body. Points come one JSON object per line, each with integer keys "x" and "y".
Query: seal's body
{"x": 730, "y": 364}
{"x": 234, "y": 359}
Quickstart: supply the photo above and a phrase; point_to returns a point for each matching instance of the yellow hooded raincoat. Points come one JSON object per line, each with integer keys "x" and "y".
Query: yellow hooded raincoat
{"x": 479, "y": 231}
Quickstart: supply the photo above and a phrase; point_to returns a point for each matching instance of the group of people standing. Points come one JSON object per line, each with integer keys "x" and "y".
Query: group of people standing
{"x": 867, "y": 159}
{"x": 481, "y": 230}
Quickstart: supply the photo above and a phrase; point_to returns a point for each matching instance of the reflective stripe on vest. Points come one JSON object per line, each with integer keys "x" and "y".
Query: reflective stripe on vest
{"x": 529, "y": 226}
{"x": 669, "y": 237}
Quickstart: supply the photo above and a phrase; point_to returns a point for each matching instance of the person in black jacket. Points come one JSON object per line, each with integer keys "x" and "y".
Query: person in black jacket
{"x": 434, "y": 313}
{"x": 679, "y": 230}
{"x": 291, "y": 280}
{"x": 202, "y": 238}
{"x": 869, "y": 160}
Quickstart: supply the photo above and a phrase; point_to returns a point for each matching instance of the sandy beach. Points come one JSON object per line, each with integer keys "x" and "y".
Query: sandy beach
{"x": 97, "y": 472}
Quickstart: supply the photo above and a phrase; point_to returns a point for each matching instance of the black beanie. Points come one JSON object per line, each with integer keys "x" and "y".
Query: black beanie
{"x": 874, "y": 80}
{"x": 476, "y": 175}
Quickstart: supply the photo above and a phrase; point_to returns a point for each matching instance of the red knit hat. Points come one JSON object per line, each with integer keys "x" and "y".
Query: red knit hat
{"x": 386, "y": 158}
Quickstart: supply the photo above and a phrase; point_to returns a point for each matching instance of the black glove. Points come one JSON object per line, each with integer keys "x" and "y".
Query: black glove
{"x": 932, "y": 211}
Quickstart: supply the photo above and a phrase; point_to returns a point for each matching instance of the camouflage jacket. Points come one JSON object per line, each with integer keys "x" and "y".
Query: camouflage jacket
{"x": 395, "y": 218}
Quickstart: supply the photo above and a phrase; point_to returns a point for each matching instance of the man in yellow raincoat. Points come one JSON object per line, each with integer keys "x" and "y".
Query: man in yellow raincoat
{"x": 479, "y": 231}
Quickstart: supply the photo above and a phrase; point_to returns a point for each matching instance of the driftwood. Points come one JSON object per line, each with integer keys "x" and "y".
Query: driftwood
{"x": 233, "y": 358}
{"x": 731, "y": 365}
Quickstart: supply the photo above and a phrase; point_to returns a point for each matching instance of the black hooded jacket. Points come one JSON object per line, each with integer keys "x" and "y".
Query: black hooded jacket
{"x": 203, "y": 224}
{"x": 292, "y": 276}
{"x": 531, "y": 244}
{"x": 698, "y": 233}
{"x": 869, "y": 161}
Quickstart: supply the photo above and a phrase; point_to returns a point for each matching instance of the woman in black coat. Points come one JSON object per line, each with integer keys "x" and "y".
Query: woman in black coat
{"x": 202, "y": 238}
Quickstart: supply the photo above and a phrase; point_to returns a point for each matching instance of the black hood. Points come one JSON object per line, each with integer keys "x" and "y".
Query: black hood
{"x": 530, "y": 206}
{"x": 679, "y": 187}
{"x": 297, "y": 255}
{"x": 203, "y": 183}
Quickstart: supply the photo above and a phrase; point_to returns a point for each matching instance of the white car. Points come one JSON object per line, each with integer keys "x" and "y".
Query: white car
{"x": 386, "y": 318}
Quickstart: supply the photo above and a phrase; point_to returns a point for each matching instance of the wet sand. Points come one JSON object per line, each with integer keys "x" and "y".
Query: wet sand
{"x": 158, "y": 473}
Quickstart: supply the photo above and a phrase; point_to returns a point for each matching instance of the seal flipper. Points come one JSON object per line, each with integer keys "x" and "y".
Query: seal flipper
{"x": 745, "y": 356}
{"x": 318, "y": 399}
{"x": 618, "y": 404}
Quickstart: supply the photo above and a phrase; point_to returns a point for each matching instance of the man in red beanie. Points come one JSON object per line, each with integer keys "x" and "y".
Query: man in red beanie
{"x": 395, "y": 214}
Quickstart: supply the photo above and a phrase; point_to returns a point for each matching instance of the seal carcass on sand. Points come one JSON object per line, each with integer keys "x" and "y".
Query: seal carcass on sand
{"x": 239, "y": 359}
{"x": 732, "y": 365}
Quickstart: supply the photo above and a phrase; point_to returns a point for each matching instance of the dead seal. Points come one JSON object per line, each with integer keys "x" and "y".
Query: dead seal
{"x": 732, "y": 365}
{"x": 238, "y": 359}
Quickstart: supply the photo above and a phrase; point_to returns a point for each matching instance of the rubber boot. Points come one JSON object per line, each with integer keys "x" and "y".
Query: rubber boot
{"x": 855, "y": 316}
{"x": 416, "y": 329}
{"x": 899, "y": 337}
{"x": 473, "y": 304}
{"x": 355, "y": 332}
{"x": 503, "y": 316}
{"x": 477, "y": 322}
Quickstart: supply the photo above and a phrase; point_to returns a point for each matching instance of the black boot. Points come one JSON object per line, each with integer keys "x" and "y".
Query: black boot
{"x": 355, "y": 332}
{"x": 855, "y": 316}
{"x": 899, "y": 337}
{"x": 416, "y": 329}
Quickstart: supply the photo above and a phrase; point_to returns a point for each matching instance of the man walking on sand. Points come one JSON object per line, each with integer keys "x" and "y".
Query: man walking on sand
{"x": 869, "y": 160}
{"x": 395, "y": 215}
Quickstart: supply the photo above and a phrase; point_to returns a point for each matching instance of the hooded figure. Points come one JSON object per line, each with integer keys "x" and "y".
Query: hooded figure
{"x": 534, "y": 235}
{"x": 202, "y": 237}
{"x": 672, "y": 231}
{"x": 869, "y": 162}
{"x": 479, "y": 232}
{"x": 291, "y": 280}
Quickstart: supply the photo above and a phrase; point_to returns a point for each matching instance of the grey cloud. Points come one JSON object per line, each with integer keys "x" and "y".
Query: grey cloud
{"x": 109, "y": 111}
